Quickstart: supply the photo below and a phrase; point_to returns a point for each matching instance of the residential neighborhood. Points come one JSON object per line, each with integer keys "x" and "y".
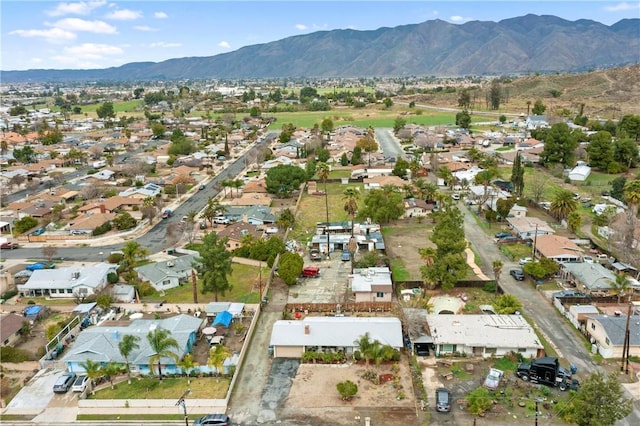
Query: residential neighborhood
{"x": 258, "y": 269}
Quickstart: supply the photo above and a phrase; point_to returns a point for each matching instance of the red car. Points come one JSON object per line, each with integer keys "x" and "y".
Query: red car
{"x": 9, "y": 246}
{"x": 311, "y": 272}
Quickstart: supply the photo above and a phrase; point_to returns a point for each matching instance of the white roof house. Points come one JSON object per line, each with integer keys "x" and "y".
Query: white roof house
{"x": 372, "y": 284}
{"x": 290, "y": 338}
{"x": 580, "y": 172}
{"x": 483, "y": 335}
{"x": 529, "y": 227}
{"x": 69, "y": 282}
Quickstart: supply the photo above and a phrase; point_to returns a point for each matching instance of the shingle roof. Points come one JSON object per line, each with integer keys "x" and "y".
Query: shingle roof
{"x": 615, "y": 328}
{"x": 100, "y": 344}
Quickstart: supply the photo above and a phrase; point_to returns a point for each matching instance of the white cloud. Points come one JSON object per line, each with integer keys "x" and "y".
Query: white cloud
{"x": 36, "y": 60}
{"x": 224, "y": 44}
{"x": 54, "y": 35}
{"x": 160, "y": 15}
{"x": 93, "y": 51}
{"x": 621, "y": 7}
{"x": 164, "y": 44}
{"x": 125, "y": 15}
{"x": 144, "y": 28}
{"x": 300, "y": 27}
{"x": 77, "y": 24}
{"x": 79, "y": 8}
{"x": 457, "y": 18}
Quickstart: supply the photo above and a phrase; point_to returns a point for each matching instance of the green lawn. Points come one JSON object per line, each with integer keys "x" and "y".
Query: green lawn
{"x": 170, "y": 388}
{"x": 312, "y": 210}
{"x": 399, "y": 271}
{"x": 244, "y": 279}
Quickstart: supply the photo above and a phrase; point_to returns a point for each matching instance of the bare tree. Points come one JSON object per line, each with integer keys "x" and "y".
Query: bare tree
{"x": 49, "y": 252}
{"x": 537, "y": 185}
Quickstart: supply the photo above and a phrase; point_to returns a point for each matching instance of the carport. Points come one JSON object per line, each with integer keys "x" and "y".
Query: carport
{"x": 422, "y": 345}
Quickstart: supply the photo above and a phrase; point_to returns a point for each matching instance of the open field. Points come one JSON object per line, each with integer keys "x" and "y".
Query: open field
{"x": 244, "y": 280}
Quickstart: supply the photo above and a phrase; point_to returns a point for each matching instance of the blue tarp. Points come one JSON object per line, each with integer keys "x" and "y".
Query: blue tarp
{"x": 32, "y": 311}
{"x": 223, "y": 318}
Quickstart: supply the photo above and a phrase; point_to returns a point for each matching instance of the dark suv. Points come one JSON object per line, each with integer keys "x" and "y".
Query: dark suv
{"x": 443, "y": 400}
{"x": 64, "y": 383}
{"x": 517, "y": 274}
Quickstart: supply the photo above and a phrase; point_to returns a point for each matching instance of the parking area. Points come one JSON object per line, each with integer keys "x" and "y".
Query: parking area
{"x": 331, "y": 286}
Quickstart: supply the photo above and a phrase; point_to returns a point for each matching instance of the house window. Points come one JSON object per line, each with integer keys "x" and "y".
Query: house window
{"x": 607, "y": 341}
{"x": 448, "y": 348}
{"x": 593, "y": 326}
{"x": 522, "y": 350}
{"x": 490, "y": 350}
{"x": 69, "y": 291}
{"x": 379, "y": 294}
{"x": 166, "y": 282}
{"x": 54, "y": 291}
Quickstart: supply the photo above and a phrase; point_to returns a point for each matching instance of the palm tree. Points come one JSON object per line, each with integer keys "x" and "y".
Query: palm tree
{"x": 132, "y": 253}
{"x": 111, "y": 370}
{"x": 497, "y": 269}
{"x": 128, "y": 343}
{"x": 323, "y": 174}
{"x": 93, "y": 370}
{"x": 213, "y": 209}
{"x": 563, "y": 203}
{"x": 621, "y": 284}
{"x": 351, "y": 196}
{"x": 187, "y": 364}
{"x": 632, "y": 196}
{"x": 217, "y": 355}
{"x": 377, "y": 352}
{"x": 226, "y": 183}
{"x": 160, "y": 341}
{"x": 237, "y": 184}
{"x": 364, "y": 345}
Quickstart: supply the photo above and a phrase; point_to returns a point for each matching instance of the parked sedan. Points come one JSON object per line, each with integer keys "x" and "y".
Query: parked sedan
{"x": 9, "y": 246}
{"x": 80, "y": 384}
{"x": 525, "y": 260}
{"x": 493, "y": 379}
{"x": 500, "y": 235}
{"x": 517, "y": 274}
{"x": 443, "y": 400}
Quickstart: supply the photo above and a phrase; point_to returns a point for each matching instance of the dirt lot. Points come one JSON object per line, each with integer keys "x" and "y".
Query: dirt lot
{"x": 404, "y": 240}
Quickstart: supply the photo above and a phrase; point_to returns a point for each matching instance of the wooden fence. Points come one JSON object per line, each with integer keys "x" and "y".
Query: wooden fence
{"x": 335, "y": 307}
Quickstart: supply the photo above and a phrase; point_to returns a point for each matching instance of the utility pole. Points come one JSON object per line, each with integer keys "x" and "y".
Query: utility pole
{"x": 625, "y": 345}
{"x": 535, "y": 239}
{"x": 182, "y": 403}
{"x": 194, "y": 281}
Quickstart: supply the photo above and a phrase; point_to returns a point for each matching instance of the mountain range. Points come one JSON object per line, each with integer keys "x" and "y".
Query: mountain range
{"x": 524, "y": 44}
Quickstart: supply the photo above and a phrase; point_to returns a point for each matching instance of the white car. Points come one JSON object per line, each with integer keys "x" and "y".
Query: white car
{"x": 525, "y": 260}
{"x": 456, "y": 196}
{"x": 80, "y": 383}
{"x": 493, "y": 379}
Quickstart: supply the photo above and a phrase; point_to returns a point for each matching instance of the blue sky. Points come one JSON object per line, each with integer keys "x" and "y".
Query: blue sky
{"x": 102, "y": 33}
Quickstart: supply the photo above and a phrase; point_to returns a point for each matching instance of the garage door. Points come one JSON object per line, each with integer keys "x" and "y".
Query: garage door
{"x": 288, "y": 352}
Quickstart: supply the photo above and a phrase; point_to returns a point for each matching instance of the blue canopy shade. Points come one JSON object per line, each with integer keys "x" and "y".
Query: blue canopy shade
{"x": 223, "y": 318}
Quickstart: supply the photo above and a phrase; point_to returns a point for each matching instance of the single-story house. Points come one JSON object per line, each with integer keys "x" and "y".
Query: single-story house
{"x": 236, "y": 233}
{"x": 371, "y": 284}
{"x": 607, "y": 332}
{"x": 378, "y": 182}
{"x": 414, "y": 207}
{"x": 518, "y": 211}
{"x": 588, "y": 277}
{"x": 100, "y": 344}
{"x": 123, "y": 293}
{"x": 483, "y": 335}
{"x": 10, "y": 326}
{"x": 292, "y": 338}
{"x": 69, "y": 282}
{"x": 169, "y": 273}
{"x": 560, "y": 249}
{"x": 578, "y": 315}
{"x": 580, "y": 172}
{"x": 529, "y": 227}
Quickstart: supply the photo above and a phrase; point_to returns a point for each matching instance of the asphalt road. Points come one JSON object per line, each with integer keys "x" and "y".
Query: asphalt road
{"x": 388, "y": 143}
{"x": 155, "y": 239}
{"x": 535, "y": 306}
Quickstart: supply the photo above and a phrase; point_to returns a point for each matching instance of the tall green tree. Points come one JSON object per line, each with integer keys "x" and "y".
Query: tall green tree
{"x": 214, "y": 265}
{"x": 93, "y": 370}
{"x": 517, "y": 176}
{"x": 161, "y": 343}
{"x": 630, "y": 125}
{"x": 217, "y": 356}
{"x": 479, "y": 401}
{"x": 600, "y": 150}
{"x": 284, "y": 179}
{"x": 449, "y": 264}
{"x": 128, "y": 343}
{"x": 560, "y": 144}
{"x": 323, "y": 173}
{"x": 563, "y": 203}
{"x": 398, "y": 124}
{"x": 290, "y": 267}
{"x": 538, "y": 107}
{"x": 625, "y": 151}
{"x": 381, "y": 206}
{"x": 463, "y": 119}
{"x": 495, "y": 94}
{"x": 600, "y": 401}
{"x": 106, "y": 110}
{"x": 351, "y": 196}
{"x": 464, "y": 99}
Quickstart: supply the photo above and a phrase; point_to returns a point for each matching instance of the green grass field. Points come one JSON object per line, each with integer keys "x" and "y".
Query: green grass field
{"x": 169, "y": 388}
{"x": 244, "y": 279}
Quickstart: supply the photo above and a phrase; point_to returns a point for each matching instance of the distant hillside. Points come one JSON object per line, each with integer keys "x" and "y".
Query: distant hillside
{"x": 518, "y": 45}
